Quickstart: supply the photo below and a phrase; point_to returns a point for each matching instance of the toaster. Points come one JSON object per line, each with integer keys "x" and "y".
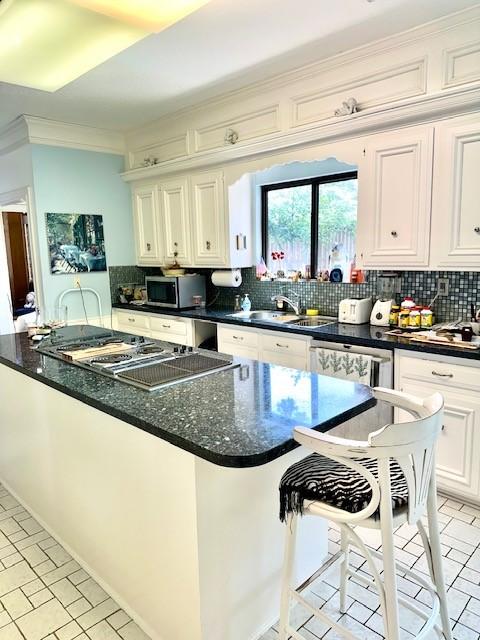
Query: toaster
{"x": 355, "y": 310}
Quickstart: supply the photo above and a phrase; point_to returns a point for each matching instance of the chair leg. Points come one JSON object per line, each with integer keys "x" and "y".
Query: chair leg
{"x": 436, "y": 559}
{"x": 345, "y": 547}
{"x": 391, "y": 623}
{"x": 288, "y": 563}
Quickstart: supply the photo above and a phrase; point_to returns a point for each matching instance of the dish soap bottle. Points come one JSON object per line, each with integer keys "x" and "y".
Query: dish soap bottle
{"x": 246, "y": 303}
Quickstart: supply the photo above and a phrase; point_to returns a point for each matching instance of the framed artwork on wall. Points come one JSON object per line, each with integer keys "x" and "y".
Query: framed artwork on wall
{"x": 76, "y": 243}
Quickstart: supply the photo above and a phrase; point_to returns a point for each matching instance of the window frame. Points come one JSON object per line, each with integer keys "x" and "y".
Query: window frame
{"x": 314, "y": 183}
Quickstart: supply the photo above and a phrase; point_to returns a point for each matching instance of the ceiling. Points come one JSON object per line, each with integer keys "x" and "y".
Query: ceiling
{"x": 221, "y": 46}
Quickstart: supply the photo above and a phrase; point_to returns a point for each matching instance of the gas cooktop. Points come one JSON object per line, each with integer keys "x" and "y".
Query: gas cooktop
{"x": 148, "y": 365}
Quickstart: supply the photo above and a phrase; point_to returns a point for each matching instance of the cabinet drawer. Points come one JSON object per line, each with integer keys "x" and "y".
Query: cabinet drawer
{"x": 446, "y": 374}
{"x": 128, "y": 321}
{"x": 284, "y": 344}
{"x": 238, "y": 336}
{"x": 166, "y": 324}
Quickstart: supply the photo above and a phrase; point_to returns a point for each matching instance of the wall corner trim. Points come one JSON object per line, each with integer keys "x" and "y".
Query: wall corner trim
{"x": 13, "y": 136}
{"x": 31, "y": 129}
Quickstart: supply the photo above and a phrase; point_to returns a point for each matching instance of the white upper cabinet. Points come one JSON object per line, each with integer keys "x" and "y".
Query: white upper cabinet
{"x": 175, "y": 219}
{"x": 208, "y": 219}
{"x": 395, "y": 182}
{"x": 148, "y": 243}
{"x": 456, "y": 195}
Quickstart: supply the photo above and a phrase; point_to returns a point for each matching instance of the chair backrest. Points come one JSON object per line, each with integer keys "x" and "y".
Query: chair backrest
{"x": 411, "y": 444}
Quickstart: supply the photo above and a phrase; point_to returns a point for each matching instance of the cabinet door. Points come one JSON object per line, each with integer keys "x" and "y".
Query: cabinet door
{"x": 176, "y": 221}
{"x": 292, "y": 361}
{"x": 208, "y": 219}
{"x": 145, "y": 216}
{"x": 457, "y": 464}
{"x": 395, "y": 180}
{"x": 456, "y": 195}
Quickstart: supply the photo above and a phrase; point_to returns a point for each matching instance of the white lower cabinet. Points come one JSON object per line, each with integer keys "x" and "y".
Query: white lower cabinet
{"x": 159, "y": 327}
{"x": 457, "y": 461}
{"x": 269, "y": 346}
{"x": 131, "y": 322}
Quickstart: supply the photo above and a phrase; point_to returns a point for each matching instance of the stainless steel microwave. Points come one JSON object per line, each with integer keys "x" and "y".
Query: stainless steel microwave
{"x": 175, "y": 292}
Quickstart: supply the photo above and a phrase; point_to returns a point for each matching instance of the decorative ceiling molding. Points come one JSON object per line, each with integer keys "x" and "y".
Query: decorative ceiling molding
{"x": 279, "y": 80}
{"x": 30, "y": 129}
{"x": 418, "y": 110}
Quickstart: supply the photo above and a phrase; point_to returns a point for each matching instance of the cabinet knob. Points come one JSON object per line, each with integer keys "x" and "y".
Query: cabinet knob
{"x": 477, "y": 229}
{"x": 149, "y": 246}
{"x": 394, "y": 234}
{"x": 442, "y": 375}
{"x": 208, "y": 244}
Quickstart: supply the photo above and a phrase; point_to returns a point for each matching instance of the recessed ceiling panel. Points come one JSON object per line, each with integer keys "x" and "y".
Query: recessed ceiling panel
{"x": 45, "y": 44}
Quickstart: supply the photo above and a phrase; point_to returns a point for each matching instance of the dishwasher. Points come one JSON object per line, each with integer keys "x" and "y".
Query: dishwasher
{"x": 367, "y": 365}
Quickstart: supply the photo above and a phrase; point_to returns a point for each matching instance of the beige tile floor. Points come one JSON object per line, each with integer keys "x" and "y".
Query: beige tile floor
{"x": 44, "y": 593}
{"x": 460, "y": 538}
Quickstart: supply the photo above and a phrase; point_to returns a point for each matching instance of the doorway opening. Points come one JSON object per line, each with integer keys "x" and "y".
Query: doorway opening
{"x": 18, "y": 302}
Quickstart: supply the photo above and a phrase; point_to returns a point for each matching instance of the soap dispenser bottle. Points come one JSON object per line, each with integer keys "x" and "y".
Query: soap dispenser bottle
{"x": 246, "y": 303}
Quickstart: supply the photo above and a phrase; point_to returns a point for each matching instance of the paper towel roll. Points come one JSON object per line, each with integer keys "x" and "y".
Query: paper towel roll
{"x": 231, "y": 278}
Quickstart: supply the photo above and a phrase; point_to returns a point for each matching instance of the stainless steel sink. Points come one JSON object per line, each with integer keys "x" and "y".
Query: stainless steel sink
{"x": 258, "y": 315}
{"x": 285, "y": 317}
{"x": 312, "y": 321}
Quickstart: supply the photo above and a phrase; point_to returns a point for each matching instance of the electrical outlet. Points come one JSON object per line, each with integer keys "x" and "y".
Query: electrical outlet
{"x": 76, "y": 282}
{"x": 442, "y": 287}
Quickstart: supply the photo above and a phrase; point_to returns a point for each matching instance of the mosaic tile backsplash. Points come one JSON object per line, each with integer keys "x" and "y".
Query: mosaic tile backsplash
{"x": 464, "y": 289}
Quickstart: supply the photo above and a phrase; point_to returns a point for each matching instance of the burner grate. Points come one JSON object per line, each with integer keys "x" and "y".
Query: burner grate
{"x": 150, "y": 349}
{"x": 197, "y": 363}
{"x": 151, "y": 376}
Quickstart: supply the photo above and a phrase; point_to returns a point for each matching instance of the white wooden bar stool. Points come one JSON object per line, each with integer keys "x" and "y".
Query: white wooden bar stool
{"x": 380, "y": 483}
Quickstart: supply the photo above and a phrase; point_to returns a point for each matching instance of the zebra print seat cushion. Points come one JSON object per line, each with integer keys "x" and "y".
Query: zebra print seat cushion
{"x": 321, "y": 479}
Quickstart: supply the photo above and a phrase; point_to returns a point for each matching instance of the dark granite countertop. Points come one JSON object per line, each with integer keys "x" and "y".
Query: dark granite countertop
{"x": 357, "y": 334}
{"x": 241, "y": 417}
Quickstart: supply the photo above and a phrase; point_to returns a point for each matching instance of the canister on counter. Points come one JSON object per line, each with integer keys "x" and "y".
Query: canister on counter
{"x": 414, "y": 318}
{"x": 404, "y": 319}
{"x": 393, "y": 319}
{"x": 426, "y": 317}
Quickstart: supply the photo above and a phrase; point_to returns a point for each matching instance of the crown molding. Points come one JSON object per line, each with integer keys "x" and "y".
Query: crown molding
{"x": 418, "y": 110}
{"x": 31, "y": 129}
{"x": 13, "y": 136}
{"x": 74, "y": 136}
{"x": 307, "y": 71}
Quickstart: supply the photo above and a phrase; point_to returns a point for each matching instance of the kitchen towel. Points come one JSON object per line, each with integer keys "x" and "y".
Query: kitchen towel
{"x": 341, "y": 364}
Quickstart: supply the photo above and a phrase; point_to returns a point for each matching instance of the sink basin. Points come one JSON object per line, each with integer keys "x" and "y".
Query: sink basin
{"x": 285, "y": 317}
{"x": 258, "y": 315}
{"x": 312, "y": 321}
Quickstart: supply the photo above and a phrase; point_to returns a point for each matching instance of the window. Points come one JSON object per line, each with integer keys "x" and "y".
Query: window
{"x": 313, "y": 222}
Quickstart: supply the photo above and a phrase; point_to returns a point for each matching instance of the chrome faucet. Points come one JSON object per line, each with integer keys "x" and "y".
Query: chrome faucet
{"x": 295, "y": 305}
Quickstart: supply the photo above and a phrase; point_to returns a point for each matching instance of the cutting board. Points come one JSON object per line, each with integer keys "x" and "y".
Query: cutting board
{"x": 108, "y": 349}
{"x": 446, "y": 343}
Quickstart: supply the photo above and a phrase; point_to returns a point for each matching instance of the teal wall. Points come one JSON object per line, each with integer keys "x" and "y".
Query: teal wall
{"x": 77, "y": 181}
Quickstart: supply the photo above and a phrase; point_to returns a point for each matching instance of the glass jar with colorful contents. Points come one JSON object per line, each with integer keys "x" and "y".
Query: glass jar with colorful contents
{"x": 426, "y": 317}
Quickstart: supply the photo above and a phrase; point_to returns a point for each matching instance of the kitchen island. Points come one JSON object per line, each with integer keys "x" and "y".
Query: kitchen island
{"x": 169, "y": 498}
